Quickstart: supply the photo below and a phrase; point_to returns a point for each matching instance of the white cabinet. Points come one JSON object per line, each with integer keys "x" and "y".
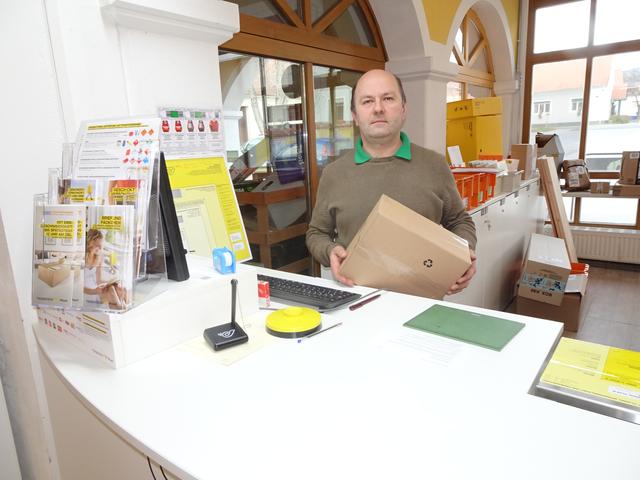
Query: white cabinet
{"x": 86, "y": 446}
{"x": 503, "y": 227}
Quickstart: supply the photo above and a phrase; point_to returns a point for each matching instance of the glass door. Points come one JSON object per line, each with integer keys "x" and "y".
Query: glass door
{"x": 263, "y": 102}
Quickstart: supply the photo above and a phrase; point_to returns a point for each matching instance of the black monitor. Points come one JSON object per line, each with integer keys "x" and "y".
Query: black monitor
{"x": 288, "y": 161}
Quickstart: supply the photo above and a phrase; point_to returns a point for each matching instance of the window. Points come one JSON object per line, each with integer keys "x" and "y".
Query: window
{"x": 288, "y": 117}
{"x": 540, "y": 108}
{"x": 472, "y": 53}
{"x": 589, "y": 68}
{"x": 576, "y": 106}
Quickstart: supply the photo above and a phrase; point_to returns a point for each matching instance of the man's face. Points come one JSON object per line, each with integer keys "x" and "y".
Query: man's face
{"x": 379, "y": 111}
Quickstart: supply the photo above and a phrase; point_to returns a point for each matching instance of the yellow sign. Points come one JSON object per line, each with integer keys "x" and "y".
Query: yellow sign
{"x": 607, "y": 372}
{"x": 61, "y": 229}
{"x": 203, "y": 192}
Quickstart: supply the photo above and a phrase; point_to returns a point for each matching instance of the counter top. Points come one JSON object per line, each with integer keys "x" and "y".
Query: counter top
{"x": 369, "y": 399}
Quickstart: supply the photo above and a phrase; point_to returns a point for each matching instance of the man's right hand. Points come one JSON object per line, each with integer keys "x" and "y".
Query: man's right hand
{"x": 336, "y": 257}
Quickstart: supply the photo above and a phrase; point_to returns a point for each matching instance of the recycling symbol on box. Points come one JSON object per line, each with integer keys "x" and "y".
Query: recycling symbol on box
{"x": 428, "y": 263}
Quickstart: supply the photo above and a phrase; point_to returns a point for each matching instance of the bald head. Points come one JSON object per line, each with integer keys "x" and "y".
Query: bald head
{"x": 374, "y": 74}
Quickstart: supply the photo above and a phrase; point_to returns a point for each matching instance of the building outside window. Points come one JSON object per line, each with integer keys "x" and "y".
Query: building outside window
{"x": 541, "y": 108}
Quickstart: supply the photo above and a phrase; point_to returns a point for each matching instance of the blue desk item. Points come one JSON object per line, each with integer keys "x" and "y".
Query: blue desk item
{"x": 224, "y": 260}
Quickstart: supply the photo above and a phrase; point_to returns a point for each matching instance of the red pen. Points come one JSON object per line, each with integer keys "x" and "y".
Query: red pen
{"x": 356, "y": 306}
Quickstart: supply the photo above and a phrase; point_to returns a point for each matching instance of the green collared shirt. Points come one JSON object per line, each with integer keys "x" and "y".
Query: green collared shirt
{"x": 403, "y": 152}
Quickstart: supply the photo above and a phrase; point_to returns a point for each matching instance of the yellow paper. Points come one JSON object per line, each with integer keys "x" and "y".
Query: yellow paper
{"x": 608, "y": 372}
{"x": 201, "y": 220}
{"x": 253, "y": 326}
{"x": 202, "y": 189}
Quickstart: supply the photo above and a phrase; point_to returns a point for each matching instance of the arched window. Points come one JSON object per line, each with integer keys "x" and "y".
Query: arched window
{"x": 286, "y": 80}
{"x": 472, "y": 53}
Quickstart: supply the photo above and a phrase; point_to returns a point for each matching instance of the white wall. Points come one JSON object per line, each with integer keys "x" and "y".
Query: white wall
{"x": 77, "y": 61}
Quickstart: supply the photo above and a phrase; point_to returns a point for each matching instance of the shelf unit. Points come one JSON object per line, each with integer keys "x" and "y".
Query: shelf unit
{"x": 265, "y": 236}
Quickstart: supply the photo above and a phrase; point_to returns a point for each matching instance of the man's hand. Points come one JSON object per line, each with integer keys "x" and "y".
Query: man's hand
{"x": 463, "y": 281}
{"x": 336, "y": 257}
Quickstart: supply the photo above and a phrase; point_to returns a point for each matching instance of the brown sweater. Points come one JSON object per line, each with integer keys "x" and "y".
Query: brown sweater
{"x": 348, "y": 192}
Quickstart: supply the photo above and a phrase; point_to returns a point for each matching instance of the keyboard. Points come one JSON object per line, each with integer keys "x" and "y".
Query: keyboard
{"x": 323, "y": 298}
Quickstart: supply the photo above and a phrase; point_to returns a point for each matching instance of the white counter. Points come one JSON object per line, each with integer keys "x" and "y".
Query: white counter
{"x": 349, "y": 403}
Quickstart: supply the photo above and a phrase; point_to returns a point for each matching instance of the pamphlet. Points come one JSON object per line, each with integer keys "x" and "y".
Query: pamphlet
{"x": 125, "y": 148}
{"x": 109, "y": 258}
{"x": 599, "y": 370}
{"x": 207, "y": 207}
{"x": 191, "y": 132}
{"x": 127, "y": 192}
{"x": 79, "y": 191}
{"x": 58, "y": 255}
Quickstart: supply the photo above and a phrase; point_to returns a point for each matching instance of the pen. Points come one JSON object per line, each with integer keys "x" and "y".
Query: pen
{"x": 320, "y": 331}
{"x": 356, "y": 306}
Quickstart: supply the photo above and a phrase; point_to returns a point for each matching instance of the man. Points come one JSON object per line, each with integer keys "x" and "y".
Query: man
{"x": 384, "y": 161}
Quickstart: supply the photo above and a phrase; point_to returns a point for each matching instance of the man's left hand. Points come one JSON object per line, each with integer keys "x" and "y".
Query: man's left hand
{"x": 463, "y": 281}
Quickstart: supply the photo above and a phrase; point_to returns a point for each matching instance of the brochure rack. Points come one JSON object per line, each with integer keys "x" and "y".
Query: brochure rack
{"x": 97, "y": 242}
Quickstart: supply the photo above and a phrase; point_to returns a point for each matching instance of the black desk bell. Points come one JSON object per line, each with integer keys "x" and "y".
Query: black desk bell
{"x": 228, "y": 334}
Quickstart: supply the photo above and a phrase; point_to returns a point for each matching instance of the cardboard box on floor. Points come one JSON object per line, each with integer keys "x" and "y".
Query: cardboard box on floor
{"x": 546, "y": 270}
{"x": 398, "y": 249}
{"x": 570, "y": 311}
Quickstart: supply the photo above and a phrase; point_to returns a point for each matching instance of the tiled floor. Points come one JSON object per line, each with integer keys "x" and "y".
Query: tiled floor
{"x": 613, "y": 308}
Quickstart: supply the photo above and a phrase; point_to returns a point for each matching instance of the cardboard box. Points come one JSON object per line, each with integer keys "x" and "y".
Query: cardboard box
{"x": 162, "y": 322}
{"x": 53, "y": 274}
{"x": 510, "y": 182}
{"x": 620, "y": 190}
{"x": 630, "y": 168}
{"x": 569, "y": 312}
{"x": 600, "y": 187}
{"x": 576, "y": 176}
{"x": 550, "y": 146}
{"x": 476, "y": 136}
{"x": 546, "y": 270}
{"x": 474, "y": 107}
{"x": 527, "y": 154}
{"x": 400, "y": 250}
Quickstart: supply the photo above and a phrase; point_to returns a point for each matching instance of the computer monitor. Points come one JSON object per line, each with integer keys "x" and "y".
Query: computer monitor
{"x": 289, "y": 160}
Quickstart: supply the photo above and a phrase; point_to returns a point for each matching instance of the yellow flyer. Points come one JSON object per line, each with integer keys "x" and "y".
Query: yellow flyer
{"x": 607, "y": 372}
{"x": 207, "y": 207}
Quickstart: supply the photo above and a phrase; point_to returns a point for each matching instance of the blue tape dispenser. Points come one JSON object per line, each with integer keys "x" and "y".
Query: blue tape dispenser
{"x": 224, "y": 260}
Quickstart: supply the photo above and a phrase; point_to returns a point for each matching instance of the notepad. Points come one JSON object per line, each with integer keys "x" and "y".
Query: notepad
{"x": 470, "y": 327}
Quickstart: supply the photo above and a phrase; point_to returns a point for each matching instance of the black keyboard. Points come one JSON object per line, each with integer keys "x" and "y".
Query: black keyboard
{"x": 313, "y": 295}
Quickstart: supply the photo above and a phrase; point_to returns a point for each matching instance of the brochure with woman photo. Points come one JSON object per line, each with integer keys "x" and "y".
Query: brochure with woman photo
{"x": 109, "y": 257}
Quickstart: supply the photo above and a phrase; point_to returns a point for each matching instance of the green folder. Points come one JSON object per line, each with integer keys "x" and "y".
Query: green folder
{"x": 470, "y": 327}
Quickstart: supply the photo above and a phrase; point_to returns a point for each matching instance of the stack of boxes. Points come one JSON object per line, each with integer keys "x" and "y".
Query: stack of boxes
{"x": 550, "y": 286}
{"x": 476, "y": 126}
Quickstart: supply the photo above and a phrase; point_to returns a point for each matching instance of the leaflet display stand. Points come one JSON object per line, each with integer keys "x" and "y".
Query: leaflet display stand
{"x": 107, "y": 246}
{"x": 94, "y": 250}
